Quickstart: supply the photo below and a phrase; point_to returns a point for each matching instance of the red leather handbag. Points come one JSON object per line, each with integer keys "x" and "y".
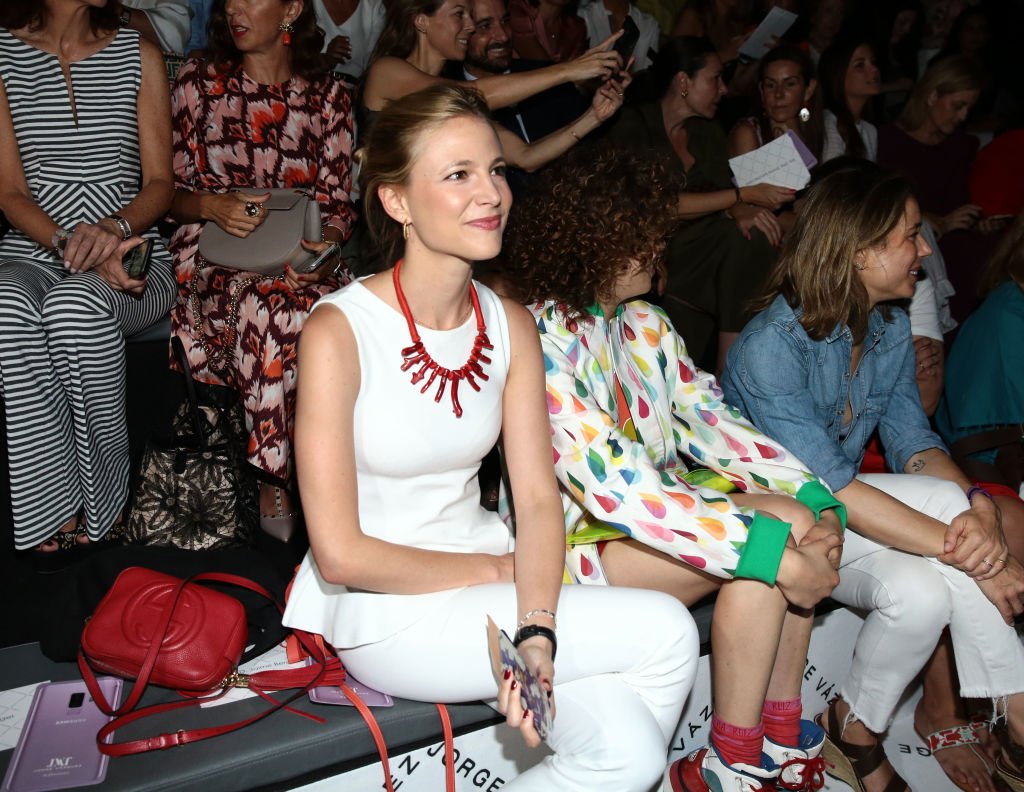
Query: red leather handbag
{"x": 155, "y": 628}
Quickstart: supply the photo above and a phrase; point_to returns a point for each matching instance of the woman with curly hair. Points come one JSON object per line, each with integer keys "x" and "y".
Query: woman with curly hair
{"x": 629, "y": 411}
{"x": 260, "y": 112}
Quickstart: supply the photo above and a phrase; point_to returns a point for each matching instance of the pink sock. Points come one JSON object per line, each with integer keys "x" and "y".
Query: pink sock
{"x": 782, "y": 721}
{"x": 737, "y": 744}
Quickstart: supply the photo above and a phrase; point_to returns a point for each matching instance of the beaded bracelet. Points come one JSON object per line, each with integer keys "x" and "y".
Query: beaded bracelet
{"x": 532, "y": 631}
{"x": 539, "y": 612}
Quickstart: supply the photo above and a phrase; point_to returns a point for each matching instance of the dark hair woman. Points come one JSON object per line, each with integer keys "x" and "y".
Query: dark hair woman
{"x": 827, "y": 363}
{"x": 85, "y": 154}
{"x": 260, "y": 112}
{"x": 717, "y": 262}
{"x": 849, "y": 77}
{"x": 787, "y": 89}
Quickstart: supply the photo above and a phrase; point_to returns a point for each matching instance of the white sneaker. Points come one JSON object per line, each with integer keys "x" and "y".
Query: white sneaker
{"x": 705, "y": 771}
{"x": 801, "y": 768}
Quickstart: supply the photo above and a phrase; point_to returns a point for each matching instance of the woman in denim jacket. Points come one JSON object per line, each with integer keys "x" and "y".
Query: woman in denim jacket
{"x": 819, "y": 370}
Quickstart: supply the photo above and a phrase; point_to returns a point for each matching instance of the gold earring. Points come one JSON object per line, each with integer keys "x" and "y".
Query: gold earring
{"x": 684, "y": 94}
{"x": 405, "y": 230}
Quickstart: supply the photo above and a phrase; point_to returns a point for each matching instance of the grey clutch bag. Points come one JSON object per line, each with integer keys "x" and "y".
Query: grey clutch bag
{"x": 292, "y": 216}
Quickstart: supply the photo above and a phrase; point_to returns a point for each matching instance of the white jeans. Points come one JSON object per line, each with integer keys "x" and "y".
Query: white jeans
{"x": 626, "y": 661}
{"x": 910, "y": 600}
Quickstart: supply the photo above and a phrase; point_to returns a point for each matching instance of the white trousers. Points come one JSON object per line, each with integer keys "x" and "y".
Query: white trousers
{"x": 910, "y": 599}
{"x": 626, "y": 662}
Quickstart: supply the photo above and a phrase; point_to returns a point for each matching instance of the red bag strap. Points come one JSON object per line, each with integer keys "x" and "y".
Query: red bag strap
{"x": 449, "y": 748}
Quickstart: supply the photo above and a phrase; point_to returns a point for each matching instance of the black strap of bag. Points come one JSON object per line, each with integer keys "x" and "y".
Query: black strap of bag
{"x": 190, "y": 390}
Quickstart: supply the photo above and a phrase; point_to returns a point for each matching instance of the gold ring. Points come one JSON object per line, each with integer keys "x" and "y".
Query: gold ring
{"x": 253, "y": 209}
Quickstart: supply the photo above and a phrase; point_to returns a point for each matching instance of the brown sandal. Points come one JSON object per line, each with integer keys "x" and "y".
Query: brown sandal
{"x": 850, "y": 762}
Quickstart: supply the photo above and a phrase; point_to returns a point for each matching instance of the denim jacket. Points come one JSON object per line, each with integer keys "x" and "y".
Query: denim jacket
{"x": 795, "y": 390}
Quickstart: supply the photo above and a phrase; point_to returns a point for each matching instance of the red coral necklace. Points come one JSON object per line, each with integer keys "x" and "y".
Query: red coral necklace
{"x": 418, "y": 355}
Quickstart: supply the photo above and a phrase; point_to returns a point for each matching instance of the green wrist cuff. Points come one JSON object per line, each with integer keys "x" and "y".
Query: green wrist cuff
{"x": 816, "y": 497}
{"x": 762, "y": 554}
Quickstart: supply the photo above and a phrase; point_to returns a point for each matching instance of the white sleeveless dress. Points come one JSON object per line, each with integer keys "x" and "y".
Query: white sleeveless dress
{"x": 416, "y": 464}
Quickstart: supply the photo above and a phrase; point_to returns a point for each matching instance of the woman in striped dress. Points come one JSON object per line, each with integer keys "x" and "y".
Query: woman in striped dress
{"x": 85, "y": 156}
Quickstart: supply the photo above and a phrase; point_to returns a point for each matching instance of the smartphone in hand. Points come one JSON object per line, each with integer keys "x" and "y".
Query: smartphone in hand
{"x": 137, "y": 262}
{"x": 318, "y": 260}
{"x": 627, "y": 42}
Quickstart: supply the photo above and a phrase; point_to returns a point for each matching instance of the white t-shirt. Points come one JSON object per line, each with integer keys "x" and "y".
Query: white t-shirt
{"x": 599, "y": 28}
{"x": 362, "y": 29}
{"x": 835, "y": 146}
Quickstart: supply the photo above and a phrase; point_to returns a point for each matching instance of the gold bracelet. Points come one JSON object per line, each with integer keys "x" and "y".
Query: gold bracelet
{"x": 573, "y": 133}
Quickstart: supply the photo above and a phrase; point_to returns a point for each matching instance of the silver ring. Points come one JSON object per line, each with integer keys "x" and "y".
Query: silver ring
{"x": 986, "y": 561}
{"x": 253, "y": 209}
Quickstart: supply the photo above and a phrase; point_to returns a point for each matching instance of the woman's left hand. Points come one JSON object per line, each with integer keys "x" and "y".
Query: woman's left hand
{"x": 536, "y": 653}
{"x": 608, "y": 98}
{"x": 300, "y": 280}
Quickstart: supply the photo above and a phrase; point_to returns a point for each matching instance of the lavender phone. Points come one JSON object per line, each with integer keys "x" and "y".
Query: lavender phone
{"x": 331, "y": 694}
{"x": 57, "y": 748}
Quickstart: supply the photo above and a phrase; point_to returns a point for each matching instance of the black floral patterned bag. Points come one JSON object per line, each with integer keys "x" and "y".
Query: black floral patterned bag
{"x": 196, "y": 491}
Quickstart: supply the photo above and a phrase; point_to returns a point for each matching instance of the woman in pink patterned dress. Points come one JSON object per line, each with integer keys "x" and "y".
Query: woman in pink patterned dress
{"x": 259, "y": 112}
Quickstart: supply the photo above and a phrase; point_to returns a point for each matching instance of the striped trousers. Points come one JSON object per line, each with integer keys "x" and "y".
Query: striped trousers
{"x": 62, "y": 378}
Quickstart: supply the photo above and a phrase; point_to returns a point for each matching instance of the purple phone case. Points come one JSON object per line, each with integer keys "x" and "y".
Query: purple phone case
{"x": 330, "y": 694}
{"x": 57, "y": 747}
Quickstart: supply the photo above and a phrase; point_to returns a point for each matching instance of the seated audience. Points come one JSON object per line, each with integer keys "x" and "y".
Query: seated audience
{"x": 826, "y": 363}
{"x": 416, "y": 43}
{"x": 928, "y": 146}
{"x": 897, "y": 26}
{"x": 405, "y": 566}
{"x": 85, "y": 140}
{"x": 717, "y": 262}
{"x": 787, "y": 91}
{"x": 982, "y": 409}
{"x": 604, "y": 17}
{"x": 351, "y": 29}
{"x": 547, "y": 30}
{"x": 826, "y": 20}
{"x": 629, "y": 413}
{"x": 261, "y": 112}
{"x": 788, "y": 98}
{"x": 849, "y": 78}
